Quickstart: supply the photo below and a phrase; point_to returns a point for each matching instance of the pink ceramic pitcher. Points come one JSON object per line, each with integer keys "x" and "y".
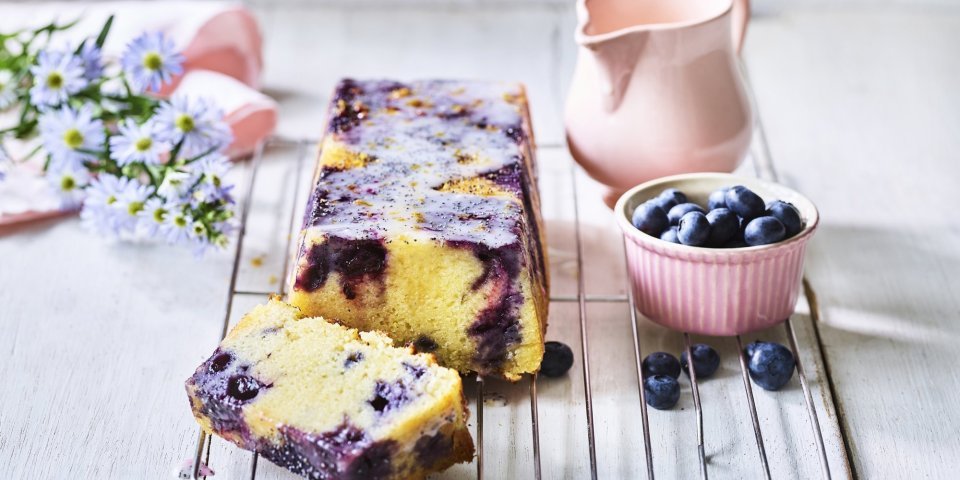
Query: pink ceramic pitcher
{"x": 657, "y": 90}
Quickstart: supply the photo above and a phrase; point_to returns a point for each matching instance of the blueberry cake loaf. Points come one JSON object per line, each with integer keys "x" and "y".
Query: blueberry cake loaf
{"x": 424, "y": 223}
{"x": 328, "y": 402}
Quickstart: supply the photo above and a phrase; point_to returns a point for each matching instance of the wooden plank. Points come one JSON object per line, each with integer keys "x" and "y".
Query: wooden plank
{"x": 98, "y": 341}
{"x": 266, "y": 247}
{"x": 873, "y": 142}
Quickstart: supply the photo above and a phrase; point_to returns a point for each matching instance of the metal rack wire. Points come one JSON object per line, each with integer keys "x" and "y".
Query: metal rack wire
{"x": 763, "y": 168}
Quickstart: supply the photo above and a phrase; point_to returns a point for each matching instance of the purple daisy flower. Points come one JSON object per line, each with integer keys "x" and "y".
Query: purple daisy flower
{"x": 150, "y": 220}
{"x": 56, "y": 76}
{"x": 137, "y": 144}
{"x": 197, "y": 122}
{"x": 212, "y": 171}
{"x": 177, "y": 227}
{"x": 113, "y": 204}
{"x": 150, "y": 61}
{"x": 69, "y": 182}
{"x": 91, "y": 60}
{"x": 70, "y": 136}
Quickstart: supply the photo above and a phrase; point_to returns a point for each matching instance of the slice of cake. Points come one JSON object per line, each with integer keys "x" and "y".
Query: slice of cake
{"x": 328, "y": 402}
{"x": 424, "y": 223}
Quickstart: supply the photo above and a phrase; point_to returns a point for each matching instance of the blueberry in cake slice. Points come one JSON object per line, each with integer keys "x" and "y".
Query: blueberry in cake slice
{"x": 424, "y": 222}
{"x": 328, "y": 402}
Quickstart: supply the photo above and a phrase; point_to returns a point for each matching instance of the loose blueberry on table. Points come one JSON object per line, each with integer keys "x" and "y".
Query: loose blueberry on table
{"x": 660, "y": 363}
{"x": 737, "y": 217}
{"x": 661, "y": 391}
{"x": 557, "y": 359}
{"x": 770, "y": 364}
{"x": 706, "y": 360}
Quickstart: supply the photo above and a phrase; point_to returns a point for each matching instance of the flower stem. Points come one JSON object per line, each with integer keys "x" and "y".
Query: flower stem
{"x": 146, "y": 169}
{"x": 204, "y": 154}
{"x": 176, "y": 150}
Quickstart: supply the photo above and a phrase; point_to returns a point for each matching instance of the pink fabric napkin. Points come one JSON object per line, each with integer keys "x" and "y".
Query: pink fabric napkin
{"x": 222, "y": 46}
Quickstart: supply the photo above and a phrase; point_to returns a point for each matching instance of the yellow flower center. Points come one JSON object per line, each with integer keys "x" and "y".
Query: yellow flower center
{"x": 67, "y": 183}
{"x": 159, "y": 214}
{"x": 111, "y": 200}
{"x": 134, "y": 207}
{"x": 152, "y": 61}
{"x": 214, "y": 180}
{"x": 55, "y": 80}
{"x": 184, "y": 123}
{"x": 73, "y": 138}
{"x": 199, "y": 229}
{"x": 180, "y": 221}
{"x": 143, "y": 144}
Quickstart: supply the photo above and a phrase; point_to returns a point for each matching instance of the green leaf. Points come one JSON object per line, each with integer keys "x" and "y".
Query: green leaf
{"x": 54, "y": 27}
{"x": 102, "y": 37}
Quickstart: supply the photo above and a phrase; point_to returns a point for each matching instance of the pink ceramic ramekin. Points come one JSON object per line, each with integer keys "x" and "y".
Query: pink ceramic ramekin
{"x": 714, "y": 291}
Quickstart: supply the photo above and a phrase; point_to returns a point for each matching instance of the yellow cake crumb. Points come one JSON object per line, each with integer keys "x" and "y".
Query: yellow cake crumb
{"x": 475, "y": 186}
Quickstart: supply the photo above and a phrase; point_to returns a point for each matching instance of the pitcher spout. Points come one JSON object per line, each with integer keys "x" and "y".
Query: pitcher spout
{"x": 615, "y": 59}
{"x": 613, "y": 45}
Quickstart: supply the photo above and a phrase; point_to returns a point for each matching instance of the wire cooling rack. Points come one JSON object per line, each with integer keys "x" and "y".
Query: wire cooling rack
{"x": 305, "y": 151}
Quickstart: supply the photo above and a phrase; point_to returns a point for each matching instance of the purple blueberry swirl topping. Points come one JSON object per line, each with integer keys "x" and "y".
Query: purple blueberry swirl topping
{"x": 416, "y": 371}
{"x": 352, "y": 359}
{"x": 414, "y": 139}
{"x": 432, "y": 448}
{"x": 243, "y": 388}
{"x": 346, "y": 452}
{"x": 220, "y": 361}
{"x": 225, "y": 385}
{"x": 425, "y": 344}
{"x": 389, "y": 396}
{"x": 354, "y": 260}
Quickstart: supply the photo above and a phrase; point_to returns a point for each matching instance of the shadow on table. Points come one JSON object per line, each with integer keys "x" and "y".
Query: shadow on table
{"x": 899, "y": 285}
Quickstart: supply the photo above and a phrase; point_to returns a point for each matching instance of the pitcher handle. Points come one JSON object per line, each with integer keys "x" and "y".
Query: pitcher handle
{"x": 741, "y": 16}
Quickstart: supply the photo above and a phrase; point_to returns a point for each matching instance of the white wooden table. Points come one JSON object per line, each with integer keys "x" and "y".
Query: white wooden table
{"x": 861, "y": 112}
